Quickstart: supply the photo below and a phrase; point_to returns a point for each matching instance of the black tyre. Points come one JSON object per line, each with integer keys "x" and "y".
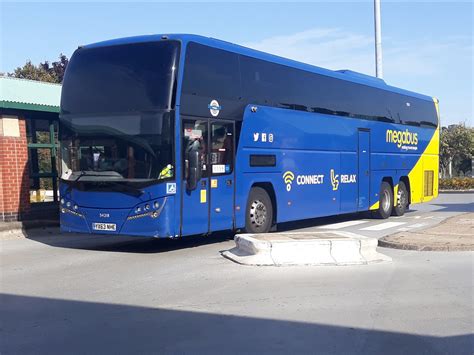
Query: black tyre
{"x": 386, "y": 202}
{"x": 259, "y": 211}
{"x": 401, "y": 200}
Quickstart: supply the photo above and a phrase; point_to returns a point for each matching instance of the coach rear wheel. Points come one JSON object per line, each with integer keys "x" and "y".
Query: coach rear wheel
{"x": 402, "y": 200}
{"x": 386, "y": 202}
{"x": 259, "y": 212}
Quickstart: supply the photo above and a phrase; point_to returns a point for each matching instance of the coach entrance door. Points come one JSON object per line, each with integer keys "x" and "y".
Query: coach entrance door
{"x": 208, "y": 204}
{"x": 363, "y": 154}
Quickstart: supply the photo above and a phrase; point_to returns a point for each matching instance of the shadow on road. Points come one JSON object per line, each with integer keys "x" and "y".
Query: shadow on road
{"x": 454, "y": 207}
{"x": 151, "y": 245}
{"x": 124, "y": 244}
{"x": 49, "y": 326}
{"x": 144, "y": 245}
{"x": 321, "y": 221}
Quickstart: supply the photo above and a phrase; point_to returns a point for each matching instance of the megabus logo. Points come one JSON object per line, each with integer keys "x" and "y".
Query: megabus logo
{"x": 405, "y": 140}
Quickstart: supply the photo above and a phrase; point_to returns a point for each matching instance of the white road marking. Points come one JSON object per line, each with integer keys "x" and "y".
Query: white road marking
{"x": 342, "y": 224}
{"x": 418, "y": 225}
{"x": 407, "y": 228}
{"x": 382, "y": 226}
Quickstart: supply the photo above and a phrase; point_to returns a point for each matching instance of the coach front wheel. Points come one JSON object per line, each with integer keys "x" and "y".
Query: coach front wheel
{"x": 259, "y": 211}
{"x": 385, "y": 202}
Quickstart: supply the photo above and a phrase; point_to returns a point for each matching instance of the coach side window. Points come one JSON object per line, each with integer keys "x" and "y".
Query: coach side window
{"x": 417, "y": 112}
{"x": 222, "y": 146}
{"x": 210, "y": 74}
{"x": 271, "y": 84}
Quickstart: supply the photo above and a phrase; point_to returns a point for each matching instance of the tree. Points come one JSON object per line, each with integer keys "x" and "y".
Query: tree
{"x": 57, "y": 68}
{"x": 51, "y": 73}
{"x": 456, "y": 149}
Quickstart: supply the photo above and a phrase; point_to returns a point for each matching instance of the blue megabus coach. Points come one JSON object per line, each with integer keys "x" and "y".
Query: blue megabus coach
{"x": 175, "y": 135}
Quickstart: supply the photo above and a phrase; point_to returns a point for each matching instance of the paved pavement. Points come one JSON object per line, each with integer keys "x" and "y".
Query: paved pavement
{"x": 88, "y": 294}
{"x": 453, "y": 234}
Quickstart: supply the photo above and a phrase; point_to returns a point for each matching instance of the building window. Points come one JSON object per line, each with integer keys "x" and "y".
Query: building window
{"x": 42, "y": 137}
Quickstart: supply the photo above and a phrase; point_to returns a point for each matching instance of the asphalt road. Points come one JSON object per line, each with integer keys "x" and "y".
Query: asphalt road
{"x": 84, "y": 294}
{"x": 420, "y": 216}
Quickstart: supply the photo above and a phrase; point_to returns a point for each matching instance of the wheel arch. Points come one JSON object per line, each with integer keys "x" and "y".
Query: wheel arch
{"x": 268, "y": 187}
{"x": 389, "y": 180}
{"x": 406, "y": 180}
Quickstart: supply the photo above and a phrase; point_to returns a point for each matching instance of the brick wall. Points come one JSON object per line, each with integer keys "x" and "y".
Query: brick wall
{"x": 14, "y": 179}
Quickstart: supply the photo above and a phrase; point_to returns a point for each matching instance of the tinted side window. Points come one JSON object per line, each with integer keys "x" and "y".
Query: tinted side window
{"x": 210, "y": 74}
{"x": 417, "y": 112}
{"x": 262, "y": 160}
{"x": 264, "y": 83}
{"x": 195, "y": 139}
{"x": 222, "y": 147}
{"x": 277, "y": 85}
{"x": 286, "y": 87}
{"x": 214, "y": 74}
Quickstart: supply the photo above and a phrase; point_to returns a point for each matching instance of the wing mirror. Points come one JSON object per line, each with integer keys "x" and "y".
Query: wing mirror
{"x": 192, "y": 170}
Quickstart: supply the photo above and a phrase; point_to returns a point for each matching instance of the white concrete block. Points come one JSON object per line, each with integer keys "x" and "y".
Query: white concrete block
{"x": 260, "y": 259}
{"x": 285, "y": 250}
{"x": 368, "y": 250}
{"x": 318, "y": 248}
{"x": 245, "y": 242}
{"x": 302, "y": 252}
{"x": 347, "y": 252}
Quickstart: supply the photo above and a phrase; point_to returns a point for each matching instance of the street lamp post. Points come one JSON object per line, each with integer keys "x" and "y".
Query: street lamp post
{"x": 378, "y": 41}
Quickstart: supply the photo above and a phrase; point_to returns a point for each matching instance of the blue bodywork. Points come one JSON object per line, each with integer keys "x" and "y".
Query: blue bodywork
{"x": 336, "y": 165}
{"x": 313, "y": 144}
{"x": 120, "y": 209}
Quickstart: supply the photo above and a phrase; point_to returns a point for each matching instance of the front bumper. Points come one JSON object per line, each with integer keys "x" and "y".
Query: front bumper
{"x": 155, "y": 222}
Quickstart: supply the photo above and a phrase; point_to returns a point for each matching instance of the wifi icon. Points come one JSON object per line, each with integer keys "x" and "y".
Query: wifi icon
{"x": 288, "y": 178}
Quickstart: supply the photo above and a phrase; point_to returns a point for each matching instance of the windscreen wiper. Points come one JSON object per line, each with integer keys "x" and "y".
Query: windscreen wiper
{"x": 85, "y": 173}
{"x": 122, "y": 188}
{"x": 118, "y": 187}
{"x": 71, "y": 183}
{"x": 129, "y": 190}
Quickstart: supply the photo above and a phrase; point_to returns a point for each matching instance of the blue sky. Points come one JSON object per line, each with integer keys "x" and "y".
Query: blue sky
{"x": 427, "y": 46}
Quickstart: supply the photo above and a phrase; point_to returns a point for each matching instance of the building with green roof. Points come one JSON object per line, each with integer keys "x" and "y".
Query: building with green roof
{"x": 23, "y": 94}
{"x": 29, "y": 112}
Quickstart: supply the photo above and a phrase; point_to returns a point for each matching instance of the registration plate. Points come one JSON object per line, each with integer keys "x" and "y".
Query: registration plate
{"x": 104, "y": 227}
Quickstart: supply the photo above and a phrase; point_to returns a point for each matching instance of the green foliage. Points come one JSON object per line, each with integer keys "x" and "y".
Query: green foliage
{"x": 51, "y": 73}
{"x": 464, "y": 183}
{"x": 457, "y": 147}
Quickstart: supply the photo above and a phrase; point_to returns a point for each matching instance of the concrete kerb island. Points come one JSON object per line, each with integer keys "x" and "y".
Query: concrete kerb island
{"x": 305, "y": 248}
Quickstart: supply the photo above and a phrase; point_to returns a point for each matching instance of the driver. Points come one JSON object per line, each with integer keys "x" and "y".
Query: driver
{"x": 166, "y": 172}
